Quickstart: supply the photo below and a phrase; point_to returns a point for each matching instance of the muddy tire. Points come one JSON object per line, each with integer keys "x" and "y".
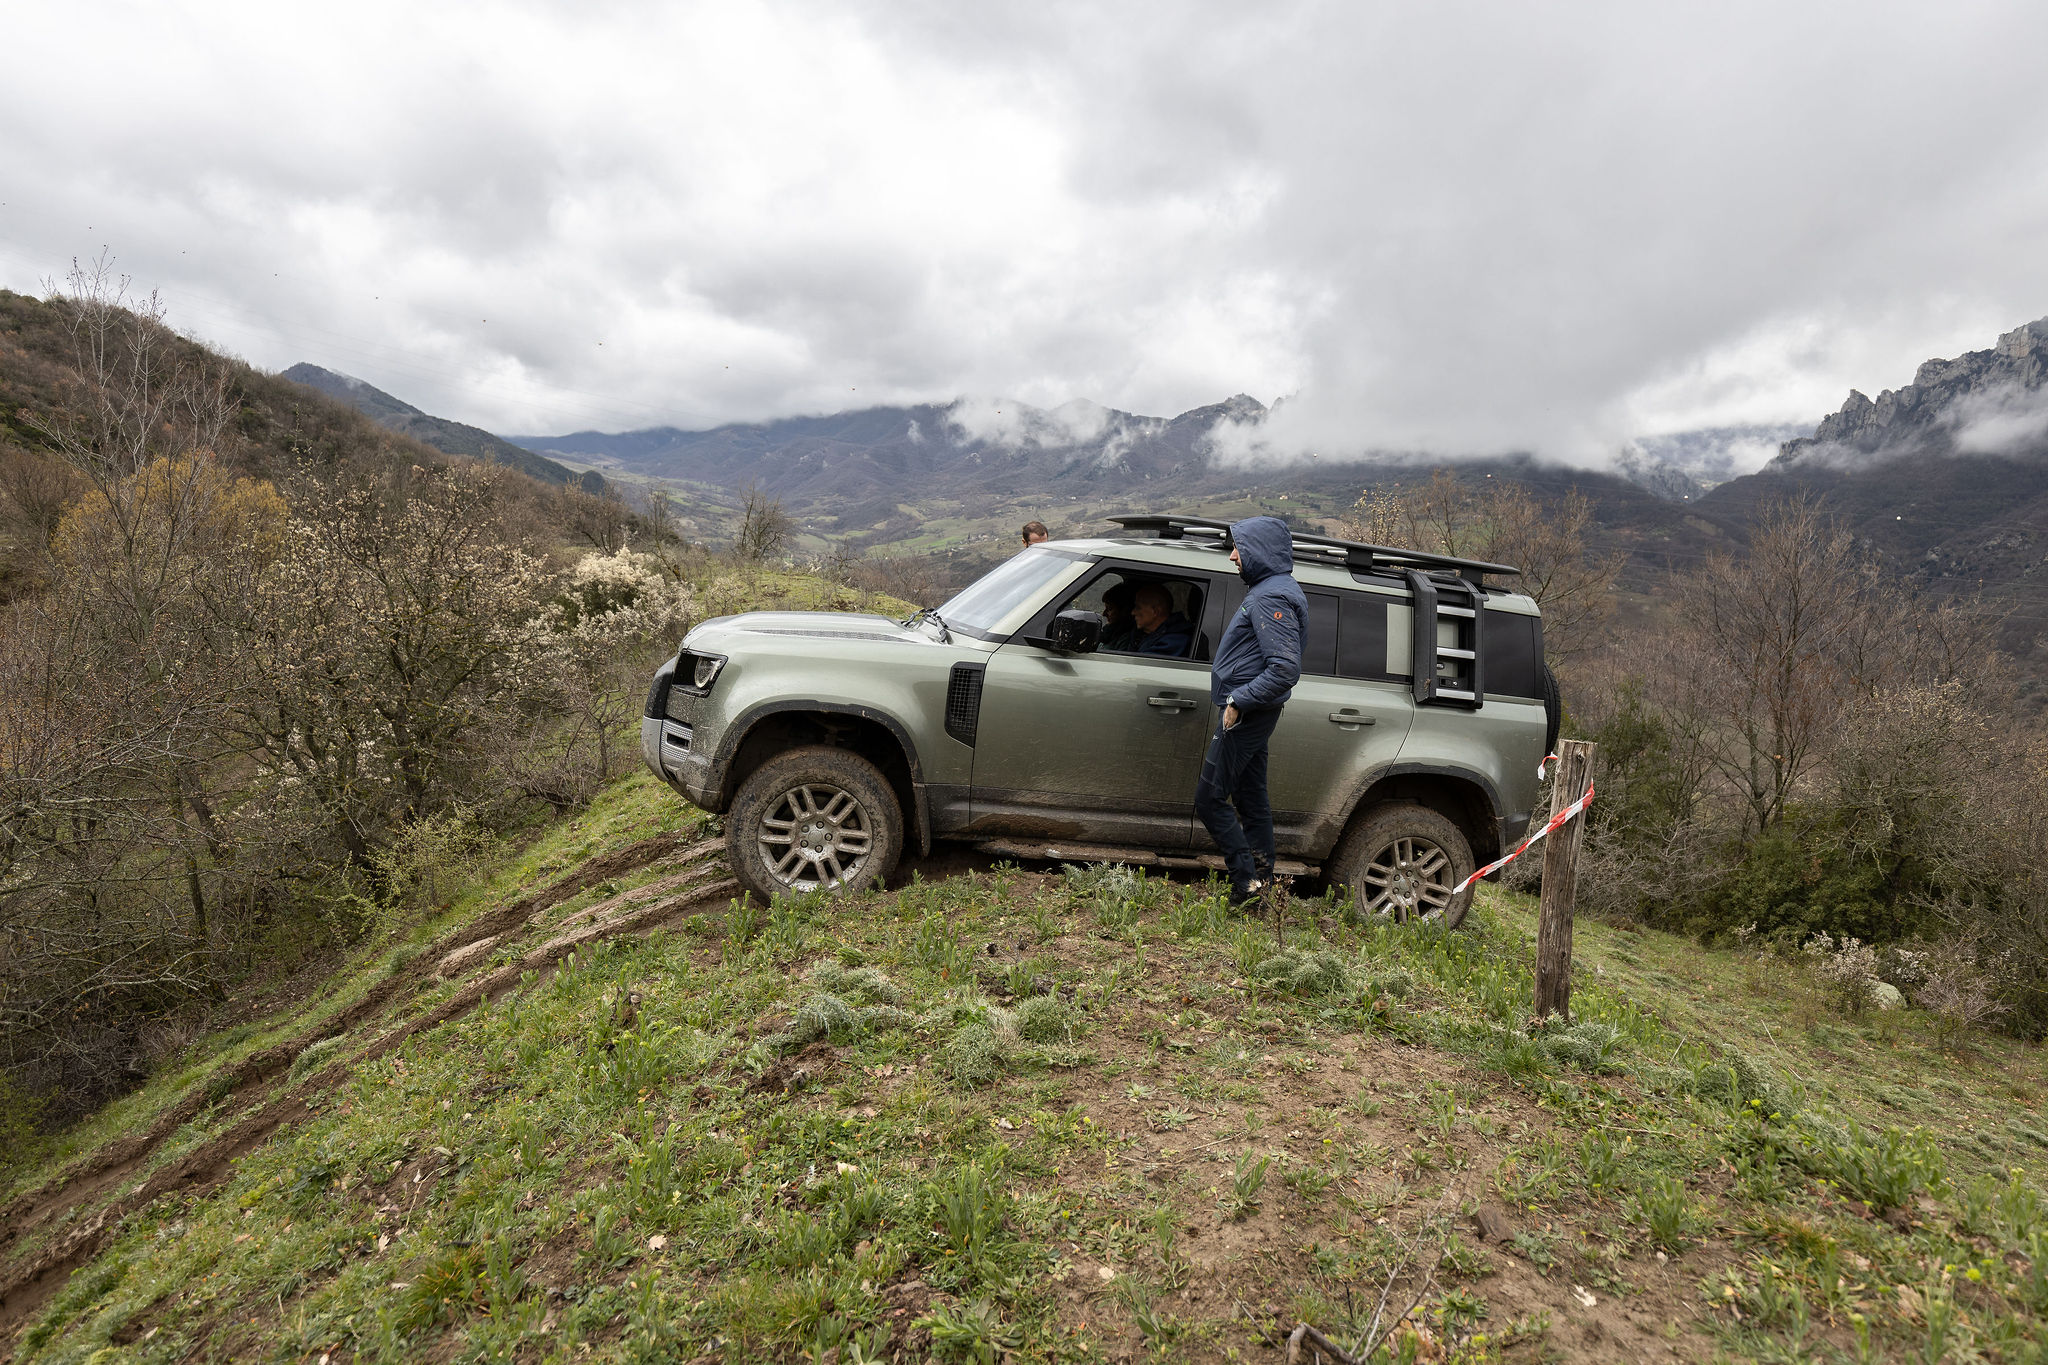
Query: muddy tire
{"x": 1402, "y": 860}
{"x": 810, "y": 818}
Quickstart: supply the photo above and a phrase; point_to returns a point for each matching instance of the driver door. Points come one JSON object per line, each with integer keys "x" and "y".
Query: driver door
{"x": 1101, "y": 748}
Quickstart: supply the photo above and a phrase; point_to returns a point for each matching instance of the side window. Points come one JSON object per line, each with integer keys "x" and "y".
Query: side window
{"x": 1362, "y": 637}
{"x": 1513, "y": 648}
{"x": 1144, "y": 613}
{"x": 1319, "y": 641}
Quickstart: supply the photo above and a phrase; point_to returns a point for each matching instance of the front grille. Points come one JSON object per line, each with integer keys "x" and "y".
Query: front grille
{"x": 963, "y": 702}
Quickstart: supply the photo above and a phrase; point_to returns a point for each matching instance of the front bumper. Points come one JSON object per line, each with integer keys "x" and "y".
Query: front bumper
{"x": 670, "y": 750}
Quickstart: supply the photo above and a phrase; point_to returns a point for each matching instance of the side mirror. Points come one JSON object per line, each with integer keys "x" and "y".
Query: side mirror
{"x": 1077, "y": 632}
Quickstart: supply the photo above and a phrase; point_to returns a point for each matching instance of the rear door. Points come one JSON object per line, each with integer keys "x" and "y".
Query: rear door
{"x": 1347, "y": 717}
{"x": 1102, "y": 747}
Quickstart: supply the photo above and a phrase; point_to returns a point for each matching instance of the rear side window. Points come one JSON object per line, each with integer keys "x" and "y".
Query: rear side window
{"x": 1512, "y": 647}
{"x": 1362, "y": 637}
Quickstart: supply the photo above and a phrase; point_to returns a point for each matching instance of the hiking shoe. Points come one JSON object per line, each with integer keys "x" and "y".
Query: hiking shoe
{"x": 1246, "y": 895}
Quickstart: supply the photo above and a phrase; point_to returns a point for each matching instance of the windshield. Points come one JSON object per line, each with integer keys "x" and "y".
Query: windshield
{"x": 983, "y": 605}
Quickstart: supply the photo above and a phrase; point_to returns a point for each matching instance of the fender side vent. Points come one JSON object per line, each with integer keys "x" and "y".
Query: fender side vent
{"x": 963, "y": 702}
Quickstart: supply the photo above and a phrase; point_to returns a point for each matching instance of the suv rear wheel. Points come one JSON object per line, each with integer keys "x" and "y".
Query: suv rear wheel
{"x": 1402, "y": 860}
{"x": 810, "y": 818}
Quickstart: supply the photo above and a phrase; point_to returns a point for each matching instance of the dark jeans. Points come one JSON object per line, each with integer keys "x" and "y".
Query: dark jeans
{"x": 1234, "y": 773}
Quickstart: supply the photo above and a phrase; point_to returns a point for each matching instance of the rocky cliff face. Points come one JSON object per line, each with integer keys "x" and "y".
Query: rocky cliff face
{"x": 1983, "y": 402}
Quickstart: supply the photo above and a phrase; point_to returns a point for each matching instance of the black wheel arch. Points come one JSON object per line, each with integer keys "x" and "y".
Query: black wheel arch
{"x": 1466, "y": 798}
{"x": 763, "y": 731}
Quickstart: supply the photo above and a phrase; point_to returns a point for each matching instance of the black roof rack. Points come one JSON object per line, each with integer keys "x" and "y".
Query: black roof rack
{"x": 1355, "y": 555}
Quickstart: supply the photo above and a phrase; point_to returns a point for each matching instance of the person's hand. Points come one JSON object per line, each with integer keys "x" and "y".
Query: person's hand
{"x": 1230, "y": 717}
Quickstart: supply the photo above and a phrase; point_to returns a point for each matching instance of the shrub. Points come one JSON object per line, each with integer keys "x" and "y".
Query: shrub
{"x": 1844, "y": 971}
{"x": 1958, "y": 990}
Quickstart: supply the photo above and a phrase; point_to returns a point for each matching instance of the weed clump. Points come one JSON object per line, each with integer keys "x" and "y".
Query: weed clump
{"x": 1395, "y": 983}
{"x": 974, "y": 1056}
{"x": 1884, "y": 1170}
{"x": 1305, "y": 972}
{"x": 1046, "y": 1019}
{"x": 835, "y": 1019}
{"x": 1734, "y": 1079}
{"x": 313, "y": 1056}
{"x": 861, "y": 985}
{"x": 1118, "y": 891}
{"x": 1588, "y": 1045}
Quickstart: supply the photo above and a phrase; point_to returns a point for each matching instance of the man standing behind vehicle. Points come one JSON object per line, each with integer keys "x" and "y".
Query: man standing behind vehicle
{"x": 1256, "y": 667}
{"x": 1034, "y": 532}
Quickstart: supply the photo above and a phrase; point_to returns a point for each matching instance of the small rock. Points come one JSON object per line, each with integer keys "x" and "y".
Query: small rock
{"x": 1493, "y": 1225}
{"x": 656, "y": 1242}
{"x": 1584, "y": 1296}
{"x": 1105, "y": 1273}
{"x": 1885, "y": 996}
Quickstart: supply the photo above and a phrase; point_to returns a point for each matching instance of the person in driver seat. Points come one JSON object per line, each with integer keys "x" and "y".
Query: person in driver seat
{"x": 1160, "y": 629}
{"x": 1119, "y": 632}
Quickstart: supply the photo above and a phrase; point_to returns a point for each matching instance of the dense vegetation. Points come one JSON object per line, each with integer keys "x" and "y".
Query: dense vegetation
{"x": 266, "y": 667}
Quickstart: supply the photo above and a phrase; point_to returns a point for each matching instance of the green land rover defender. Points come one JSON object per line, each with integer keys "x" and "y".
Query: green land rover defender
{"x": 1010, "y": 718}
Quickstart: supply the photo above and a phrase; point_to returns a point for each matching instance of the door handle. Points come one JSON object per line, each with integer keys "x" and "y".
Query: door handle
{"x": 1353, "y": 718}
{"x": 1172, "y": 703}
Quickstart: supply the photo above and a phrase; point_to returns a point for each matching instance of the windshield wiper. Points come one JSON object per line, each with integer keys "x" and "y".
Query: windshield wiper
{"x": 929, "y": 614}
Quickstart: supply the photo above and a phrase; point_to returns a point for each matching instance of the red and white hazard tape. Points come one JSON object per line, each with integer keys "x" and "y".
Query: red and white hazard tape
{"x": 1555, "y": 821}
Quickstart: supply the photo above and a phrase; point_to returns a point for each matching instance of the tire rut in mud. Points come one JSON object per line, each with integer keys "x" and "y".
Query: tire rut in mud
{"x": 25, "y": 1288}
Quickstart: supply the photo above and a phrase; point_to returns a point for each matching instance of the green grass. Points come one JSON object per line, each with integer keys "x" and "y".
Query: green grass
{"x": 846, "y": 1124}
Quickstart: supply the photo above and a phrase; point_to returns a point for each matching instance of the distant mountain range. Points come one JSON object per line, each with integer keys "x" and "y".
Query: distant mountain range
{"x": 450, "y": 438}
{"x": 1947, "y": 478}
{"x": 1006, "y": 446}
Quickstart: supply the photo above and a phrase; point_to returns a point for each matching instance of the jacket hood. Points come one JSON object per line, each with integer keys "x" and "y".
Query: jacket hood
{"x": 1264, "y": 547}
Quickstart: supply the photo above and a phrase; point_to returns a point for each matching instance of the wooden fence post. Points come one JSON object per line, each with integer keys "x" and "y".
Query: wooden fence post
{"x": 1561, "y": 881}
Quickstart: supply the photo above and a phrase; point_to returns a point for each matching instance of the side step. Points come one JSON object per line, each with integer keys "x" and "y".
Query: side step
{"x": 1136, "y": 857}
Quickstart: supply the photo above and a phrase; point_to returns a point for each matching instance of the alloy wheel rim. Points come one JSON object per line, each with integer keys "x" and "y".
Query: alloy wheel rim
{"x": 815, "y": 834}
{"x": 1409, "y": 879}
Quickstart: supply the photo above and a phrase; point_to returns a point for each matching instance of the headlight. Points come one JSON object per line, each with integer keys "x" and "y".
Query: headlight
{"x": 704, "y": 671}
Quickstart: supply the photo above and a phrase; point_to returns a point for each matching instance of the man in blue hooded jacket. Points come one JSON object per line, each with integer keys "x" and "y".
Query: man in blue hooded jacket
{"x": 1256, "y": 667}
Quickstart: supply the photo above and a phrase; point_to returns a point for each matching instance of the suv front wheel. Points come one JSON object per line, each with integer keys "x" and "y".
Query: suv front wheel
{"x": 810, "y": 818}
{"x": 1402, "y": 860}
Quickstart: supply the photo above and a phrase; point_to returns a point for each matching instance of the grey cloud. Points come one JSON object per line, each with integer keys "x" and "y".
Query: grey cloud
{"x": 1999, "y": 421}
{"x": 1454, "y": 229}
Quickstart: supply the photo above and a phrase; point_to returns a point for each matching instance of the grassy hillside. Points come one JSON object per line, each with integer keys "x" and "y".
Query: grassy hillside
{"x": 597, "y": 1111}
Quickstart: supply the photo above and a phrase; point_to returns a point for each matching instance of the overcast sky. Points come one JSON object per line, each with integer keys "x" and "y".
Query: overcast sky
{"x": 1462, "y": 228}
